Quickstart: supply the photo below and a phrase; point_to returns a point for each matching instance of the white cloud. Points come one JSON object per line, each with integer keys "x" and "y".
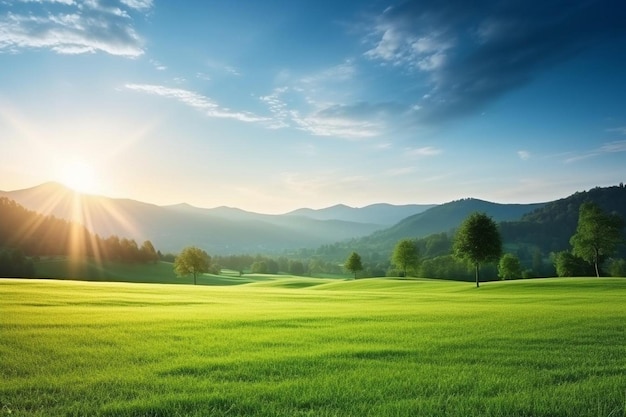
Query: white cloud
{"x": 157, "y": 65}
{"x": 195, "y": 100}
{"x": 347, "y": 128}
{"x": 400, "y": 46}
{"x": 303, "y": 104}
{"x": 607, "y": 148}
{"x": 621, "y": 129}
{"x": 422, "y": 152}
{"x": 524, "y": 155}
{"x": 389, "y": 47}
{"x": 74, "y": 28}
{"x": 138, "y": 4}
{"x": 612, "y": 147}
{"x": 398, "y": 172}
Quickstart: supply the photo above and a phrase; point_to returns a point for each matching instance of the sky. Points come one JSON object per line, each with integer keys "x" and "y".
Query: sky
{"x": 274, "y": 105}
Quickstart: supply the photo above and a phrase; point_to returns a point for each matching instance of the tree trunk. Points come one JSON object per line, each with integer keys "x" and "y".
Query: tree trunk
{"x": 477, "y": 278}
{"x": 596, "y": 264}
{"x": 194, "y": 277}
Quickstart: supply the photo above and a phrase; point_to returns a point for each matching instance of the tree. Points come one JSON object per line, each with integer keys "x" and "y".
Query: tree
{"x": 568, "y": 265}
{"x": 148, "y": 253}
{"x": 405, "y": 255}
{"x": 353, "y": 263}
{"x": 618, "y": 268}
{"x": 192, "y": 260}
{"x": 296, "y": 268}
{"x": 259, "y": 267}
{"x": 597, "y": 235}
{"x": 509, "y": 267}
{"x": 478, "y": 241}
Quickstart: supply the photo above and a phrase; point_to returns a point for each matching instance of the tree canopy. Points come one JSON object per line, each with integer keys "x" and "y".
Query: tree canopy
{"x": 598, "y": 234}
{"x": 509, "y": 267}
{"x": 478, "y": 241}
{"x": 192, "y": 260}
{"x": 353, "y": 263}
{"x": 405, "y": 255}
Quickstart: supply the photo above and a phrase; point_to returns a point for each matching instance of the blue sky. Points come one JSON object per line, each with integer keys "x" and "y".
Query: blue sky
{"x": 275, "y": 105}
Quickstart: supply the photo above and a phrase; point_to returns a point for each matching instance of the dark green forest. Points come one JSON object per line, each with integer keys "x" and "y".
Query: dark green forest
{"x": 26, "y": 236}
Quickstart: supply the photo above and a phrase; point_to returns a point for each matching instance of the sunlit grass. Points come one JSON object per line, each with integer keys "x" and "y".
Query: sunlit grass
{"x": 372, "y": 347}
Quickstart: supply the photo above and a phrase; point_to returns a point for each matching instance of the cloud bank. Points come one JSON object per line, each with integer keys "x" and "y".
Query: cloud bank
{"x": 73, "y": 26}
{"x": 471, "y": 53}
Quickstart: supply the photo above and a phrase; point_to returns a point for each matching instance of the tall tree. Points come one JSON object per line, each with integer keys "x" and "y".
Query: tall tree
{"x": 353, "y": 263}
{"x": 405, "y": 255}
{"x": 478, "y": 241}
{"x": 597, "y": 235}
{"x": 192, "y": 260}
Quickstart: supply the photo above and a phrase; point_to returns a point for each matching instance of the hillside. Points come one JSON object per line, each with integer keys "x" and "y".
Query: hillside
{"x": 449, "y": 216}
{"x": 550, "y": 227}
{"x": 439, "y": 219}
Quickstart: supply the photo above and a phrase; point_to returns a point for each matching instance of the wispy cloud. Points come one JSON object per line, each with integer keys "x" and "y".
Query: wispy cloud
{"x": 471, "y": 54}
{"x": 73, "y": 27}
{"x": 621, "y": 129}
{"x": 523, "y": 155}
{"x": 195, "y": 100}
{"x": 607, "y": 148}
{"x": 322, "y": 104}
{"x": 422, "y": 152}
{"x": 398, "y": 172}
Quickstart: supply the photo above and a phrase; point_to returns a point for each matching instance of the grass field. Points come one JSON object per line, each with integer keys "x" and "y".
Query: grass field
{"x": 314, "y": 347}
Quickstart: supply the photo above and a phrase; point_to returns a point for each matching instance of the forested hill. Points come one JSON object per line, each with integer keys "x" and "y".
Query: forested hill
{"x": 449, "y": 216}
{"x": 526, "y": 229}
{"x": 444, "y": 218}
{"x": 550, "y": 227}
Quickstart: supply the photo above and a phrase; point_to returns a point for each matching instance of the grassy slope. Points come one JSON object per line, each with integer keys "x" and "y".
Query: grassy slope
{"x": 554, "y": 347}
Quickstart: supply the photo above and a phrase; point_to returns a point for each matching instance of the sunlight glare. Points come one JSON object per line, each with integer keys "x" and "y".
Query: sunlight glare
{"x": 79, "y": 176}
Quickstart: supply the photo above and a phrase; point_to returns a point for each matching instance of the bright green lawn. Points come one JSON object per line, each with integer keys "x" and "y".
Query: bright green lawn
{"x": 302, "y": 347}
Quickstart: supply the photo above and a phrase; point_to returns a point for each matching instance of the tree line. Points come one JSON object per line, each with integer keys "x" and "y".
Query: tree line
{"x": 478, "y": 242}
{"x": 27, "y": 234}
{"x": 476, "y": 247}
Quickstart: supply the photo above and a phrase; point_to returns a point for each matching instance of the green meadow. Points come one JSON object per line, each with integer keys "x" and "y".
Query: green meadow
{"x": 288, "y": 346}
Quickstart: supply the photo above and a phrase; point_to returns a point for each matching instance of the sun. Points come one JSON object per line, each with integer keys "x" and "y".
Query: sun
{"x": 79, "y": 176}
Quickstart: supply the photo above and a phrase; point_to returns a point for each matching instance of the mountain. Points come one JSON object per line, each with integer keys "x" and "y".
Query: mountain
{"x": 550, "y": 227}
{"x": 222, "y": 230}
{"x": 446, "y": 217}
{"x": 382, "y": 213}
{"x": 527, "y": 230}
{"x": 439, "y": 219}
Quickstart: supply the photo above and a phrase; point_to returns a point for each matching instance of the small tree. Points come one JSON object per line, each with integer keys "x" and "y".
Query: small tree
{"x": 597, "y": 235}
{"x": 618, "y": 268}
{"x": 405, "y": 255}
{"x": 509, "y": 267}
{"x": 192, "y": 260}
{"x": 353, "y": 263}
{"x": 478, "y": 241}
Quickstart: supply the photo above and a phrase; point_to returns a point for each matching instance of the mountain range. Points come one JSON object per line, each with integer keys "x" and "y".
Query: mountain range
{"x": 226, "y": 230}
{"x": 220, "y": 230}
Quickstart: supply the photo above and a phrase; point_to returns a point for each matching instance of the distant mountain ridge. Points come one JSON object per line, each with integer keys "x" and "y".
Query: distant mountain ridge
{"x": 380, "y": 213}
{"x": 221, "y": 230}
{"x": 227, "y": 230}
{"x": 442, "y": 218}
